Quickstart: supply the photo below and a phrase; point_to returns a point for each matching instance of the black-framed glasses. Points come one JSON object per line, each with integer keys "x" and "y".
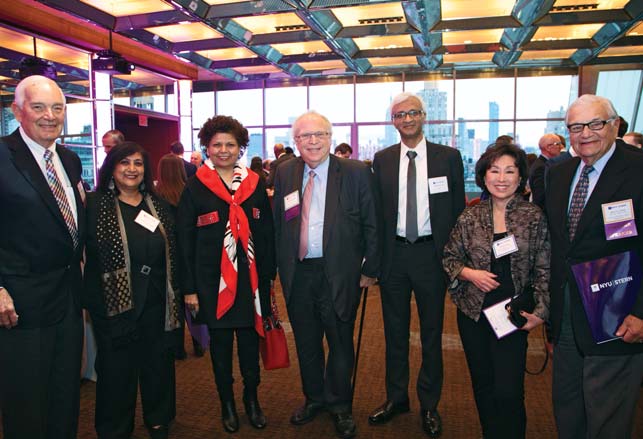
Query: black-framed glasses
{"x": 400, "y": 115}
{"x": 307, "y": 137}
{"x": 594, "y": 125}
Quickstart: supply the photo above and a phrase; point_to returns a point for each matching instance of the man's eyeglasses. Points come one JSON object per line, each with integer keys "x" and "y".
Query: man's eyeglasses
{"x": 307, "y": 137}
{"x": 595, "y": 125}
{"x": 400, "y": 115}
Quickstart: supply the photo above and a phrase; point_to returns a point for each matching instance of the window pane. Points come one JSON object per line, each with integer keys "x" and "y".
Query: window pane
{"x": 529, "y": 133}
{"x": 278, "y": 135}
{"x": 638, "y": 125}
{"x": 333, "y": 101}
{"x": 619, "y": 87}
{"x": 202, "y": 109}
{"x": 284, "y": 104}
{"x": 440, "y": 133}
{"x": 437, "y": 97}
{"x": 473, "y": 98}
{"x": 372, "y": 138}
{"x": 255, "y": 147}
{"x": 87, "y": 160}
{"x": 244, "y": 105}
{"x": 374, "y": 100}
{"x": 78, "y": 122}
{"x": 472, "y": 138}
{"x": 341, "y": 134}
{"x": 532, "y": 102}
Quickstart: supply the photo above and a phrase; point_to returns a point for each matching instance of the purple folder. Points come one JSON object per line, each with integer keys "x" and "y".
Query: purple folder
{"x": 608, "y": 287}
{"x": 198, "y": 331}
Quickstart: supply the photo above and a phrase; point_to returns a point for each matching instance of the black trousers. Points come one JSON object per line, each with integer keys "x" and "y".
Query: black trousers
{"x": 415, "y": 268}
{"x": 497, "y": 369}
{"x": 40, "y": 379}
{"x": 312, "y": 317}
{"x": 145, "y": 361}
{"x": 221, "y": 343}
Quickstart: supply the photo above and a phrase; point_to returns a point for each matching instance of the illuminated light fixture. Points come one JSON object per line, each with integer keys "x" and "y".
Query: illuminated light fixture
{"x": 291, "y": 27}
{"x": 32, "y": 65}
{"x": 110, "y": 62}
{"x": 383, "y": 20}
{"x": 575, "y": 8}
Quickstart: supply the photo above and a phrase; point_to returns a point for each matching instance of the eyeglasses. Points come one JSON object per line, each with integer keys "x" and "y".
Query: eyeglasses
{"x": 400, "y": 115}
{"x": 595, "y": 125}
{"x": 307, "y": 137}
{"x": 558, "y": 144}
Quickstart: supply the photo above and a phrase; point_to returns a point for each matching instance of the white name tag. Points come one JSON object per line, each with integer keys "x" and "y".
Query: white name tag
{"x": 618, "y": 211}
{"x": 146, "y": 220}
{"x": 291, "y": 200}
{"x": 437, "y": 185}
{"x": 504, "y": 246}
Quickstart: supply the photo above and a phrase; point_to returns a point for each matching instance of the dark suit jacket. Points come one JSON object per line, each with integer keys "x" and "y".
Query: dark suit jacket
{"x": 350, "y": 237}
{"x": 537, "y": 181}
{"x": 190, "y": 169}
{"x": 39, "y": 266}
{"x": 200, "y": 249}
{"x": 444, "y": 207}
{"x": 620, "y": 180}
{"x": 270, "y": 181}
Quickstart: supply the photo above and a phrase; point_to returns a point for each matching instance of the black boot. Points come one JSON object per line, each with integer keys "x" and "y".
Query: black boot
{"x": 229, "y": 416}
{"x": 253, "y": 410}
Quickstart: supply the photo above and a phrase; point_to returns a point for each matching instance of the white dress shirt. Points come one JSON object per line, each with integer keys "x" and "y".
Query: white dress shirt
{"x": 421, "y": 190}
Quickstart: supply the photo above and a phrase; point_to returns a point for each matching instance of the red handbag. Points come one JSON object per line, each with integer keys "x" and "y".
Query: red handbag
{"x": 273, "y": 347}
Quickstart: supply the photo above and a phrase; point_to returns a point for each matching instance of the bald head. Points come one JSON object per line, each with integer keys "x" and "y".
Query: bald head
{"x": 550, "y": 145}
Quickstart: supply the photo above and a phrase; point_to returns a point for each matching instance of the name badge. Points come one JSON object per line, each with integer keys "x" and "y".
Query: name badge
{"x": 146, "y": 220}
{"x": 291, "y": 205}
{"x": 207, "y": 219}
{"x": 504, "y": 246}
{"x": 618, "y": 218}
{"x": 437, "y": 185}
{"x": 256, "y": 213}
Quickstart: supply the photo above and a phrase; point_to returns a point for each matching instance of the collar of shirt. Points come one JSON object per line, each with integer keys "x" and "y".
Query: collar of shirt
{"x": 420, "y": 148}
{"x": 317, "y": 208}
{"x": 38, "y": 151}
{"x": 593, "y": 176}
{"x": 321, "y": 172}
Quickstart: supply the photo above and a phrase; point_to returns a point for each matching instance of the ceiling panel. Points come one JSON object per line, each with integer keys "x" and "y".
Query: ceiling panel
{"x": 472, "y": 36}
{"x": 392, "y": 42}
{"x": 622, "y": 51}
{"x": 636, "y": 30}
{"x": 393, "y": 61}
{"x": 265, "y": 24}
{"x": 361, "y": 15}
{"x": 568, "y": 32}
{"x": 475, "y": 8}
{"x": 223, "y": 54}
{"x": 468, "y": 57}
{"x": 591, "y": 5}
{"x": 304, "y": 47}
{"x": 323, "y": 65}
{"x": 255, "y": 70}
{"x": 547, "y": 54}
{"x": 122, "y": 8}
{"x": 182, "y": 32}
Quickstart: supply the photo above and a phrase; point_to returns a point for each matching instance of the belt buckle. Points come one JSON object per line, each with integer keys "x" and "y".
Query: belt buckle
{"x": 146, "y": 269}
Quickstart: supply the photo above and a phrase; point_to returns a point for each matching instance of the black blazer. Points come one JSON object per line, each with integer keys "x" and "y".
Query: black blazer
{"x": 200, "y": 248}
{"x": 444, "y": 207}
{"x": 350, "y": 236}
{"x": 620, "y": 180}
{"x": 537, "y": 181}
{"x": 190, "y": 169}
{"x": 39, "y": 266}
{"x": 270, "y": 181}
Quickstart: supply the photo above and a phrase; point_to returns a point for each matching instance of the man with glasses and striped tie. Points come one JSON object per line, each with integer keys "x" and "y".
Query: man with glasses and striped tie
{"x": 41, "y": 245}
{"x": 595, "y": 384}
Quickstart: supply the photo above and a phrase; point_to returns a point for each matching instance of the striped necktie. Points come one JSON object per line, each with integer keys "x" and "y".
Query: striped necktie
{"x": 578, "y": 201}
{"x": 305, "y": 213}
{"x": 60, "y": 196}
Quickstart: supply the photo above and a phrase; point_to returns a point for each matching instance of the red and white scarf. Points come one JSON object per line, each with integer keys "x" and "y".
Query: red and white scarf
{"x": 244, "y": 184}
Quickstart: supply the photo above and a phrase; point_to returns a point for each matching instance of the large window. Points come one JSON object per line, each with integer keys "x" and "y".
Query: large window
{"x": 333, "y": 101}
{"x": 244, "y": 105}
{"x": 284, "y": 104}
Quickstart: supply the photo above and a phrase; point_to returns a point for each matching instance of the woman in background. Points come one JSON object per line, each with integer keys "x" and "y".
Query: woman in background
{"x": 132, "y": 295}
{"x": 226, "y": 238}
{"x": 497, "y": 249}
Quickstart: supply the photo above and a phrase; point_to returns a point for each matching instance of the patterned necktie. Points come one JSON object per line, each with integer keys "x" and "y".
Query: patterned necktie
{"x": 60, "y": 196}
{"x": 305, "y": 211}
{"x": 578, "y": 201}
{"x": 411, "y": 199}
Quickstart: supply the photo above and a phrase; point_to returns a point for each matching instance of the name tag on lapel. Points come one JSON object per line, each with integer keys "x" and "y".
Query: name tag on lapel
{"x": 146, "y": 220}
{"x": 618, "y": 218}
{"x": 291, "y": 205}
{"x": 256, "y": 213}
{"x": 207, "y": 219}
{"x": 437, "y": 185}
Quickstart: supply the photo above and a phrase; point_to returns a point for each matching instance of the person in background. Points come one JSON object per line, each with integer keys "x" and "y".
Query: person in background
{"x": 595, "y": 386}
{"x": 226, "y": 238}
{"x": 479, "y": 278}
{"x": 281, "y": 155}
{"x": 257, "y": 166}
{"x": 327, "y": 250}
{"x": 505, "y": 139}
{"x": 343, "y": 150}
{"x": 111, "y": 139}
{"x": 177, "y": 149}
{"x": 196, "y": 158}
{"x": 132, "y": 295}
{"x": 634, "y": 138}
{"x": 550, "y": 147}
{"x": 622, "y": 127}
{"x": 42, "y": 234}
{"x": 171, "y": 181}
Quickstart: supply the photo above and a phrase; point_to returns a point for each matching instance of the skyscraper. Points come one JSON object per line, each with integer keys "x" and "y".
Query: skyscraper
{"x": 494, "y": 113}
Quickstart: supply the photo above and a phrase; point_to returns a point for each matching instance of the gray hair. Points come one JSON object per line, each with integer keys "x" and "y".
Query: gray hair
{"x": 588, "y": 99}
{"x": 311, "y": 113}
{"x": 31, "y": 81}
{"x": 403, "y": 97}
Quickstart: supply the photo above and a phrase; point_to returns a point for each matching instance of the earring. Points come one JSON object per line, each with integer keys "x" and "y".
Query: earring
{"x": 110, "y": 186}
{"x": 141, "y": 187}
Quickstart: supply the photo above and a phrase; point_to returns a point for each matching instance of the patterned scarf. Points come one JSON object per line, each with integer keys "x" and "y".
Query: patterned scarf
{"x": 114, "y": 259}
{"x": 243, "y": 186}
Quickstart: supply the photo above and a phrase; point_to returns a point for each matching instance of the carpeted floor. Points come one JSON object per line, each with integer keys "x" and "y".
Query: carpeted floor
{"x": 198, "y": 411}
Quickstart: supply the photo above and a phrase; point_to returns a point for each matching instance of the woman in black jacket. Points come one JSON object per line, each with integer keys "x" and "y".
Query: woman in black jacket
{"x": 131, "y": 294}
{"x": 226, "y": 241}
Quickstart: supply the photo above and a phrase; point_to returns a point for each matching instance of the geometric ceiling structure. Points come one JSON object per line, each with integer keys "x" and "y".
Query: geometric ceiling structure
{"x": 253, "y": 40}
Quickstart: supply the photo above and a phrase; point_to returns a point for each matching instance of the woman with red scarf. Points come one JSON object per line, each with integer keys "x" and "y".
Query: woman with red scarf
{"x": 226, "y": 243}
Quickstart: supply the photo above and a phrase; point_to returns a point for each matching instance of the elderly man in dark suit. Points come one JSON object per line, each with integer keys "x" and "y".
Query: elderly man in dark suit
{"x": 550, "y": 146}
{"x": 281, "y": 155}
{"x": 595, "y": 386}
{"x": 327, "y": 248}
{"x": 41, "y": 244}
{"x": 421, "y": 186}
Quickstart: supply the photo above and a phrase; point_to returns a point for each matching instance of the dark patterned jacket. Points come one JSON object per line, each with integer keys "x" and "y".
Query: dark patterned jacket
{"x": 470, "y": 245}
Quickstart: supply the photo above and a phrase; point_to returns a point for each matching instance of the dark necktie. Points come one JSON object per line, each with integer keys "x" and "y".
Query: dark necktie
{"x": 305, "y": 211}
{"x": 411, "y": 199}
{"x": 578, "y": 201}
{"x": 60, "y": 196}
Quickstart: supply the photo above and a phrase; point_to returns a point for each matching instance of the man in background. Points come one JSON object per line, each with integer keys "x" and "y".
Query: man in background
{"x": 41, "y": 245}
{"x": 111, "y": 139}
{"x": 281, "y": 155}
{"x": 343, "y": 150}
{"x": 634, "y": 138}
{"x": 177, "y": 149}
{"x": 550, "y": 147}
{"x": 196, "y": 158}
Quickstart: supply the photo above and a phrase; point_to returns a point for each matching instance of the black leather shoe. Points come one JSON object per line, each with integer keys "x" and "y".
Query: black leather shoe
{"x": 431, "y": 423}
{"x": 254, "y": 412}
{"x": 306, "y": 413}
{"x": 158, "y": 432}
{"x": 229, "y": 417}
{"x": 386, "y": 412}
{"x": 344, "y": 425}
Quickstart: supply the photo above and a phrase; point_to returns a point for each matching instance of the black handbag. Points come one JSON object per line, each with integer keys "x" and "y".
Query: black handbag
{"x": 521, "y": 302}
